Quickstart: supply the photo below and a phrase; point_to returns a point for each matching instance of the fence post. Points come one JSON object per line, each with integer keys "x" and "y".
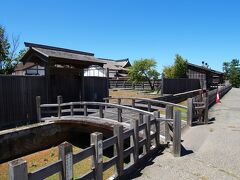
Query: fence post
{"x": 66, "y": 155}
{"x": 134, "y": 125}
{"x": 106, "y": 101}
{"x": 71, "y": 108}
{"x": 189, "y": 111}
{"x": 149, "y": 106}
{"x": 206, "y": 99}
{"x": 101, "y": 115}
{"x": 133, "y": 103}
{"x": 17, "y": 170}
{"x": 119, "y": 115}
{"x": 177, "y": 134}
{"x": 85, "y": 110}
{"x": 119, "y": 101}
{"x": 96, "y": 140}
{"x": 38, "y": 103}
{"x": 147, "y": 132}
{"x": 156, "y": 116}
{"x": 140, "y": 118}
{"x": 59, "y": 101}
{"x": 118, "y": 148}
{"x": 169, "y": 115}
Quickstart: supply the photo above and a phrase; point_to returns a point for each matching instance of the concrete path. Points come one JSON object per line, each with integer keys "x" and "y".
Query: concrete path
{"x": 212, "y": 151}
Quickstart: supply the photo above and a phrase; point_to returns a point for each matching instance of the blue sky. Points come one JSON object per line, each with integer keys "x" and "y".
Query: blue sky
{"x": 206, "y": 30}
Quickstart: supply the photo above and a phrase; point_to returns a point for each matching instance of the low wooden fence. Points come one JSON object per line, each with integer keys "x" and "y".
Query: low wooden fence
{"x": 199, "y": 105}
{"x": 129, "y": 85}
{"x": 144, "y": 135}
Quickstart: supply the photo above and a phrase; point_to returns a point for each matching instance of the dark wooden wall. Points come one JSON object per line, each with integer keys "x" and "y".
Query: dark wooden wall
{"x": 17, "y": 99}
{"x": 18, "y": 94}
{"x": 96, "y": 88}
{"x": 175, "y": 86}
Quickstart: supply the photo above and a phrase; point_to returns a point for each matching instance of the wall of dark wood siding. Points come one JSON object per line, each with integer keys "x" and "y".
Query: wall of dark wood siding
{"x": 175, "y": 86}
{"x": 18, "y": 94}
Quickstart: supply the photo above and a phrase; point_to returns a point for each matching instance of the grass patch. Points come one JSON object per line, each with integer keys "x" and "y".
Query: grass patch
{"x": 45, "y": 157}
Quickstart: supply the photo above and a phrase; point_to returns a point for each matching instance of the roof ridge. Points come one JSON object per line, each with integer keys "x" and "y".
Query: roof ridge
{"x": 119, "y": 60}
{"x": 27, "y": 44}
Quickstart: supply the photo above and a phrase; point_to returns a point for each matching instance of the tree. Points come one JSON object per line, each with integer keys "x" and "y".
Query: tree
{"x": 144, "y": 70}
{"x": 8, "y": 52}
{"x": 232, "y": 72}
{"x": 178, "y": 69}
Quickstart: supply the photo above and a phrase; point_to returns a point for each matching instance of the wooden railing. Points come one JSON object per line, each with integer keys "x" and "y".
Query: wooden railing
{"x": 144, "y": 139}
{"x": 144, "y": 136}
{"x": 147, "y": 101}
{"x": 199, "y": 105}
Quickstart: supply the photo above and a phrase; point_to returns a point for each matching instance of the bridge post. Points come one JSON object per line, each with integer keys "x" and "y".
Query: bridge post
{"x": 189, "y": 111}
{"x": 17, "y": 170}
{"x": 66, "y": 155}
{"x": 177, "y": 134}
{"x": 71, "y": 108}
{"x": 85, "y": 110}
{"x": 118, "y": 148}
{"x": 133, "y": 103}
{"x": 96, "y": 140}
{"x": 38, "y": 103}
{"x": 134, "y": 125}
{"x": 106, "y": 101}
{"x": 119, "y": 101}
{"x": 149, "y": 106}
{"x": 169, "y": 115}
{"x": 156, "y": 116}
{"x": 147, "y": 132}
{"x": 101, "y": 115}
{"x": 140, "y": 118}
{"x": 119, "y": 115}
{"x": 59, "y": 101}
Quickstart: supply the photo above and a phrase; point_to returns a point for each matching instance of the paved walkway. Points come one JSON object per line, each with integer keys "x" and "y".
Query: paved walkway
{"x": 212, "y": 151}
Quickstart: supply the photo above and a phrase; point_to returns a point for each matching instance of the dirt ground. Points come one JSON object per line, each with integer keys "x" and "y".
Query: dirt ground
{"x": 131, "y": 93}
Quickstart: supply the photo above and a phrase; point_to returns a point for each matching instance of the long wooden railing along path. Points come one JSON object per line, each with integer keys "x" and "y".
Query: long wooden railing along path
{"x": 144, "y": 135}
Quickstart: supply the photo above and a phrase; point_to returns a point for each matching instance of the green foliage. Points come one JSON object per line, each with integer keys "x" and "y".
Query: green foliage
{"x": 232, "y": 72}
{"x": 8, "y": 56}
{"x": 178, "y": 70}
{"x": 142, "y": 70}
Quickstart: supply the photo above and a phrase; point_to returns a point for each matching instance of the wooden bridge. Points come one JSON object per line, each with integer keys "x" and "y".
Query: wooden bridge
{"x": 142, "y": 128}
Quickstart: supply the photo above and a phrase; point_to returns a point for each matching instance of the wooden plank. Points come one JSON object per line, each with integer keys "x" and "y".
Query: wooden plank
{"x": 118, "y": 148}
{"x": 46, "y": 171}
{"x": 86, "y": 176}
{"x": 147, "y": 132}
{"x": 83, "y": 154}
{"x": 189, "y": 111}
{"x": 127, "y": 134}
{"x": 96, "y": 141}
{"x": 112, "y": 161}
{"x": 17, "y": 170}
{"x": 109, "y": 142}
{"x": 169, "y": 115}
{"x": 177, "y": 134}
{"x": 66, "y": 157}
{"x": 135, "y": 143}
{"x": 128, "y": 151}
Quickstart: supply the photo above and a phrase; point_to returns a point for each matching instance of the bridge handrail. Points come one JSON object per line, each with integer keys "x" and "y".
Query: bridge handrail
{"x": 82, "y": 103}
{"x": 148, "y": 100}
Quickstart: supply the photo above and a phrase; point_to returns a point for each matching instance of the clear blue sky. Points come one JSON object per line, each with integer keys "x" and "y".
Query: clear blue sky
{"x": 206, "y": 30}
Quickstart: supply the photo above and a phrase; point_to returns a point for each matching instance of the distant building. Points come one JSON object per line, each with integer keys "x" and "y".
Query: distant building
{"x": 210, "y": 76}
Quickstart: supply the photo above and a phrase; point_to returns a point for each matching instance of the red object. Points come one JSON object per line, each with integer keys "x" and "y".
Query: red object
{"x": 218, "y": 98}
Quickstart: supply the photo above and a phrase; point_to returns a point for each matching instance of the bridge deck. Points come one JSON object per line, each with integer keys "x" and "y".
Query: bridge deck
{"x": 211, "y": 151}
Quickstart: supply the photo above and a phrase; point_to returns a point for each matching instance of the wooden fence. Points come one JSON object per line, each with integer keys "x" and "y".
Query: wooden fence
{"x": 18, "y": 94}
{"x": 144, "y": 135}
{"x": 129, "y": 85}
{"x": 199, "y": 105}
{"x": 175, "y": 86}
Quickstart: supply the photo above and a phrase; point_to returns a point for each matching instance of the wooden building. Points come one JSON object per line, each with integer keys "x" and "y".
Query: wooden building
{"x": 205, "y": 74}
{"x": 63, "y": 70}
